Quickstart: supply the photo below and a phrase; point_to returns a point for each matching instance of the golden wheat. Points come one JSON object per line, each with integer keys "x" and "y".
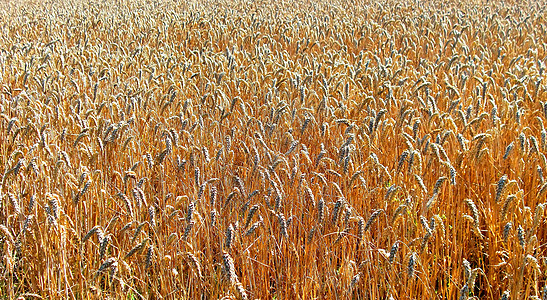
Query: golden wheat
{"x": 260, "y": 149}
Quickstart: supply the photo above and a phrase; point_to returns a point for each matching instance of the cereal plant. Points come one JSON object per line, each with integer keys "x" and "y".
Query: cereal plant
{"x": 273, "y": 149}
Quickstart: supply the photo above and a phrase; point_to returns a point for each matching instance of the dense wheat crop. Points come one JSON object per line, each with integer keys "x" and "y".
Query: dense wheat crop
{"x": 273, "y": 149}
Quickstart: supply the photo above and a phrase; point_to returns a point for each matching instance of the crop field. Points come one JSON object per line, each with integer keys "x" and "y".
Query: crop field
{"x": 240, "y": 149}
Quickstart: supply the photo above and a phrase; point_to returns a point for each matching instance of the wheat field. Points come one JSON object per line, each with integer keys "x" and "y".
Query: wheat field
{"x": 241, "y": 149}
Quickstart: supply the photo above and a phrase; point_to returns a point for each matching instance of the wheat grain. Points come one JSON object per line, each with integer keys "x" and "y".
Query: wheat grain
{"x": 411, "y": 264}
{"x": 252, "y": 211}
{"x": 229, "y": 237}
{"x": 393, "y": 251}
{"x": 194, "y": 262}
{"x": 136, "y": 249}
{"x": 149, "y": 257}
{"x": 520, "y": 235}
{"x": 229, "y": 268}
{"x": 372, "y": 218}
{"x": 106, "y": 264}
{"x": 500, "y": 187}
